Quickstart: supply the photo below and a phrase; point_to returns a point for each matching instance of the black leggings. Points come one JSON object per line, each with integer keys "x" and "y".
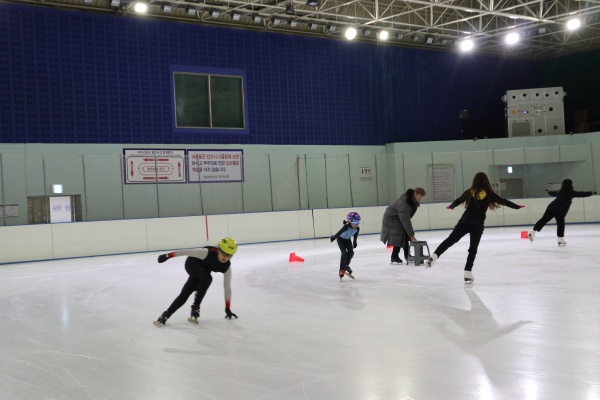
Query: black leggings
{"x": 457, "y": 233}
{"x": 548, "y": 215}
{"x": 347, "y": 250}
{"x": 405, "y": 247}
{"x": 199, "y": 281}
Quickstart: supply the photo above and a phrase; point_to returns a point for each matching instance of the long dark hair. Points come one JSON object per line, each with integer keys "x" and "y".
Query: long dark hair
{"x": 566, "y": 187}
{"x": 481, "y": 185}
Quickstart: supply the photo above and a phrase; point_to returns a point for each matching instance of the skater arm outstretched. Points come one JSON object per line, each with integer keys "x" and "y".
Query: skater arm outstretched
{"x": 583, "y": 194}
{"x": 196, "y": 253}
{"x": 508, "y": 203}
{"x": 344, "y": 229}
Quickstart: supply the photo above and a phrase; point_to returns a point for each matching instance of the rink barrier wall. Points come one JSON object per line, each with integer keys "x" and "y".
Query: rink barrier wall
{"x": 84, "y": 239}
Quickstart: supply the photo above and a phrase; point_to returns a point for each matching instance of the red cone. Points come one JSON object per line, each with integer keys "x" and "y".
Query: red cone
{"x": 524, "y": 234}
{"x": 294, "y": 257}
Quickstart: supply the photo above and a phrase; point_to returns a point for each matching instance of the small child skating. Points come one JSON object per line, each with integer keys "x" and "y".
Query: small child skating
{"x": 349, "y": 230}
{"x": 558, "y": 210}
{"x": 199, "y": 265}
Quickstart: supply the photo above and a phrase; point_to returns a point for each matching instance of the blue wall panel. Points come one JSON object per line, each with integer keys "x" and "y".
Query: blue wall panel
{"x": 72, "y": 77}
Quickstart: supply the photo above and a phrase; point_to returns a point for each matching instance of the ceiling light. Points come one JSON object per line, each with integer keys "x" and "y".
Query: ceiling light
{"x": 428, "y": 39}
{"x": 367, "y": 32}
{"x": 511, "y": 38}
{"x": 415, "y": 37}
{"x": 215, "y": 14}
{"x": 115, "y": 3}
{"x": 331, "y": 28}
{"x": 400, "y": 36}
{"x": 542, "y": 30}
{"x": 236, "y": 17}
{"x": 293, "y": 24}
{"x": 257, "y": 19}
{"x": 467, "y": 45}
{"x": 87, "y": 1}
{"x": 350, "y": 33}
{"x": 314, "y": 26}
{"x": 166, "y": 7}
{"x": 573, "y": 24}
{"x": 140, "y": 7}
{"x": 312, "y": 3}
{"x": 190, "y": 11}
{"x": 384, "y": 35}
{"x": 277, "y": 21}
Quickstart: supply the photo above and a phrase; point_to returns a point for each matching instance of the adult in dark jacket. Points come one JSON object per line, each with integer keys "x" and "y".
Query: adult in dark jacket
{"x": 558, "y": 210}
{"x": 396, "y": 227}
{"x": 477, "y": 200}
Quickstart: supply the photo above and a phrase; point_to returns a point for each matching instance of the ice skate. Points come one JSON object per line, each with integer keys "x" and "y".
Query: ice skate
{"x": 469, "y": 277}
{"x": 531, "y": 236}
{"x": 562, "y": 241}
{"x": 194, "y": 315}
{"x": 348, "y": 272}
{"x": 341, "y": 273}
{"x": 396, "y": 260}
{"x": 431, "y": 260}
{"x": 162, "y": 320}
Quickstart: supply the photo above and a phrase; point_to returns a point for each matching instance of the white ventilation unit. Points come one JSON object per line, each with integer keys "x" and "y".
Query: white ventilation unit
{"x": 535, "y": 112}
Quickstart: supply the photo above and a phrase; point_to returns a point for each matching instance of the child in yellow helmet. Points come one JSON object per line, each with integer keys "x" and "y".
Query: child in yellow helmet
{"x": 199, "y": 265}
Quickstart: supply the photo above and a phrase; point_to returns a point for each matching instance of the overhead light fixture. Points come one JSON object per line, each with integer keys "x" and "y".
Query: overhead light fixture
{"x": 293, "y": 23}
{"x": 289, "y": 9}
{"x": 312, "y": 3}
{"x": 87, "y": 1}
{"x": 140, "y": 7}
{"x": 350, "y": 33}
{"x": 509, "y": 169}
{"x": 542, "y": 30}
{"x": 57, "y": 188}
{"x": 467, "y": 45}
{"x": 314, "y": 26}
{"x": 331, "y": 28}
{"x": 115, "y": 3}
{"x": 415, "y": 37}
{"x": 236, "y": 17}
{"x": 277, "y": 21}
{"x": 257, "y": 19}
{"x": 367, "y": 32}
{"x": 428, "y": 39}
{"x": 190, "y": 11}
{"x": 215, "y": 14}
{"x": 573, "y": 24}
{"x": 400, "y": 36}
{"x": 166, "y": 7}
{"x": 511, "y": 38}
{"x": 384, "y": 35}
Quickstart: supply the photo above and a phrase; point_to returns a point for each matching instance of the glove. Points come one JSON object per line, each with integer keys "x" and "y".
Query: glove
{"x": 521, "y": 206}
{"x": 229, "y": 314}
{"x": 355, "y": 244}
{"x": 332, "y": 238}
{"x": 162, "y": 258}
{"x": 448, "y": 208}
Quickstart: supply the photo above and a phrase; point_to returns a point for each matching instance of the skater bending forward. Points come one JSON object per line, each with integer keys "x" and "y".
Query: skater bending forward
{"x": 558, "y": 210}
{"x": 477, "y": 199}
{"x": 199, "y": 265}
{"x": 349, "y": 230}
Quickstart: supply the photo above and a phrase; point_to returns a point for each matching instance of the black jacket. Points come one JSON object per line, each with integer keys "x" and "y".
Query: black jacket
{"x": 560, "y": 206}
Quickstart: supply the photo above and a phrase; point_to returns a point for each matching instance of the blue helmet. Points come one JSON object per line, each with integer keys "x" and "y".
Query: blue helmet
{"x": 353, "y": 218}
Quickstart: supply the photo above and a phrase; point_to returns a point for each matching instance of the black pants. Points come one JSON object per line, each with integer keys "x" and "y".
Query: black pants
{"x": 548, "y": 215}
{"x": 347, "y": 250}
{"x": 199, "y": 281}
{"x": 457, "y": 233}
{"x": 405, "y": 247}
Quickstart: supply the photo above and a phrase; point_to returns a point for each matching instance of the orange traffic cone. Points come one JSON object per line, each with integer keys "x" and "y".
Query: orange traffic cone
{"x": 294, "y": 257}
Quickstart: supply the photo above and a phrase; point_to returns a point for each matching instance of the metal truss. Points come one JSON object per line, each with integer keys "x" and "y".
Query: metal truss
{"x": 431, "y": 24}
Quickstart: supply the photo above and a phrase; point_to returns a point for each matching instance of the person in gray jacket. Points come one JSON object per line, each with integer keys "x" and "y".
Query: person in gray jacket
{"x": 396, "y": 228}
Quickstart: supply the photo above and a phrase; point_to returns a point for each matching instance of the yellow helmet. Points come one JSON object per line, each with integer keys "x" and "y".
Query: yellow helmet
{"x": 228, "y": 246}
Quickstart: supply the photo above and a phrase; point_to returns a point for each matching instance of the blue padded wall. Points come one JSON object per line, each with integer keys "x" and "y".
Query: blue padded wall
{"x": 73, "y": 77}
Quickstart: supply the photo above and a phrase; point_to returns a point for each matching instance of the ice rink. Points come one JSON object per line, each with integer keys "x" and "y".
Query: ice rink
{"x": 529, "y": 327}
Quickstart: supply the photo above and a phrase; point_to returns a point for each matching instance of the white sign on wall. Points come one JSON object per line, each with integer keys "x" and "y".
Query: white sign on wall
{"x": 441, "y": 183}
{"x": 366, "y": 174}
{"x": 216, "y": 165}
{"x": 60, "y": 209}
{"x": 154, "y": 165}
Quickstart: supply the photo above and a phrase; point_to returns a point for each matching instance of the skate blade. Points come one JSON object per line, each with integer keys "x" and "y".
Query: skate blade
{"x": 193, "y": 320}
{"x": 158, "y": 323}
{"x": 469, "y": 281}
{"x": 349, "y": 275}
{"x": 396, "y": 263}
